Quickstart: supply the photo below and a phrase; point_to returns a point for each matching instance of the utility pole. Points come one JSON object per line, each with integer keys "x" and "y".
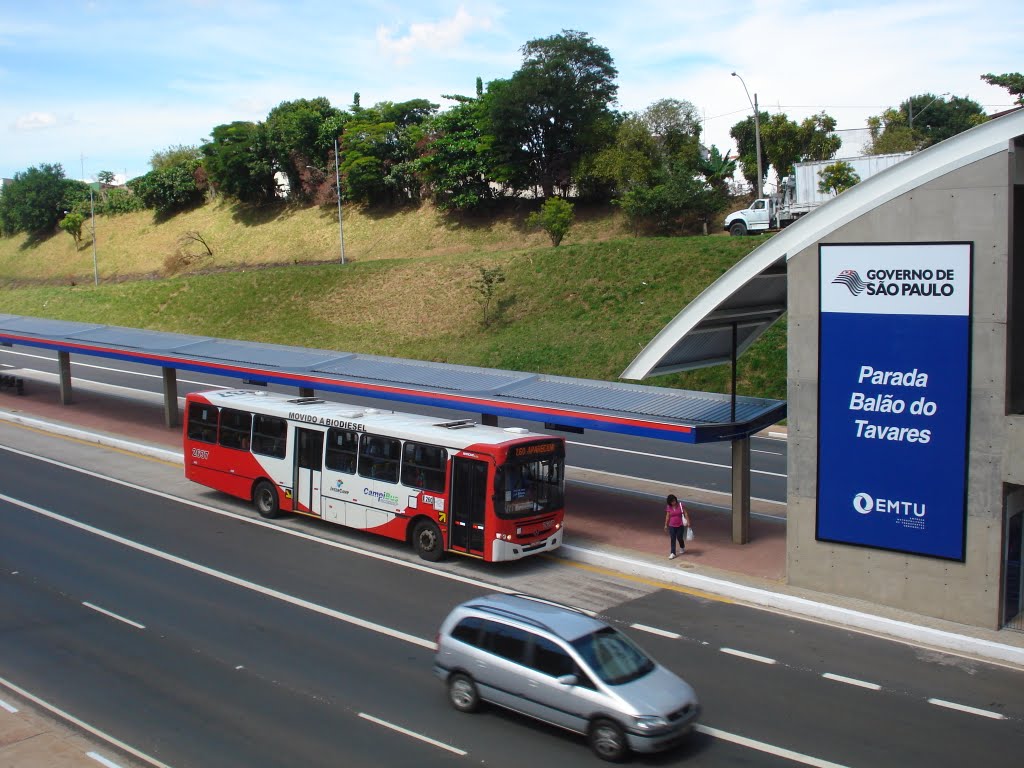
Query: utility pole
{"x": 92, "y": 216}
{"x": 337, "y": 182}
{"x": 757, "y": 134}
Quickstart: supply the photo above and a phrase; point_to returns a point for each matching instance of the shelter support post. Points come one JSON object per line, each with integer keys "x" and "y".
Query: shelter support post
{"x": 305, "y": 391}
{"x": 488, "y": 419}
{"x": 171, "y": 398}
{"x": 741, "y": 491}
{"x": 64, "y": 373}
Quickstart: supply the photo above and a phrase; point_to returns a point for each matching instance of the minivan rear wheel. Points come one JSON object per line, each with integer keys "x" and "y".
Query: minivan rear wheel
{"x": 608, "y": 740}
{"x": 462, "y": 693}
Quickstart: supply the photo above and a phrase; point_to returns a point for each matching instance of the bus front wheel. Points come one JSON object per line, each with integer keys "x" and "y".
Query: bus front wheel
{"x": 426, "y": 539}
{"x": 264, "y": 498}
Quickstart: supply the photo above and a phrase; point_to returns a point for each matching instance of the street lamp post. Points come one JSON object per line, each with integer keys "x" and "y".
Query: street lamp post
{"x": 910, "y": 108}
{"x": 757, "y": 133}
{"x": 337, "y": 182}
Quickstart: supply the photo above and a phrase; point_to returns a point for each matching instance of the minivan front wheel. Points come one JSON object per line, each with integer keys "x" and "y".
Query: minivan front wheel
{"x": 462, "y": 693}
{"x": 608, "y": 740}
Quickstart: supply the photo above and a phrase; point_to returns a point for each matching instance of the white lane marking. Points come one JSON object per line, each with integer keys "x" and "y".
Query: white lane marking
{"x": 852, "y": 681}
{"x": 83, "y": 725}
{"x": 745, "y": 655}
{"x": 413, "y": 734}
{"x": 726, "y": 494}
{"x": 263, "y": 523}
{"x": 656, "y": 631}
{"x": 235, "y": 580}
{"x": 770, "y": 453}
{"x": 8, "y": 707}
{"x": 670, "y": 458}
{"x": 965, "y": 708}
{"x": 102, "y": 760}
{"x": 789, "y": 754}
{"x": 113, "y": 615}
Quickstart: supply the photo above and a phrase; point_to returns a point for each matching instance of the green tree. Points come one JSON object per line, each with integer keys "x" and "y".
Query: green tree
{"x": 72, "y": 224}
{"x": 1011, "y": 81}
{"x": 837, "y": 177}
{"x": 555, "y": 217}
{"x": 553, "y": 112}
{"x": 296, "y": 138}
{"x": 238, "y": 162}
{"x": 178, "y": 154}
{"x": 921, "y": 121}
{"x": 786, "y": 142}
{"x": 455, "y": 161}
{"x": 105, "y": 177}
{"x": 36, "y": 199}
{"x": 486, "y": 286}
{"x": 169, "y": 189}
{"x": 380, "y": 147}
{"x": 745, "y": 135}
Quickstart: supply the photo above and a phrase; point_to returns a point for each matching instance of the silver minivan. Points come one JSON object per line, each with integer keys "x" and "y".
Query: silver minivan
{"x": 564, "y": 667}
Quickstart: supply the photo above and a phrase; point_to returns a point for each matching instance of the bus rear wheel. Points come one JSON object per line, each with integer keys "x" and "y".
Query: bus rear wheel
{"x": 264, "y": 498}
{"x": 426, "y": 540}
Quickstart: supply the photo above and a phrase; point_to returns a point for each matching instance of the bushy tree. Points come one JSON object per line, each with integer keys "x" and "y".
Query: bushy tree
{"x": 455, "y": 160}
{"x": 296, "y": 138}
{"x": 555, "y": 217}
{"x": 72, "y": 224}
{"x": 837, "y": 177}
{"x": 553, "y": 112}
{"x": 37, "y": 198}
{"x": 379, "y": 152}
{"x": 238, "y": 162}
{"x": 120, "y": 200}
{"x": 744, "y": 133}
{"x": 178, "y": 154}
{"x": 1011, "y": 81}
{"x": 169, "y": 189}
{"x": 921, "y": 121}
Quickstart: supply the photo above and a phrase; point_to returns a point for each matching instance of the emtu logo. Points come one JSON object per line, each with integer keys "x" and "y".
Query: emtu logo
{"x": 851, "y": 280}
{"x": 863, "y": 503}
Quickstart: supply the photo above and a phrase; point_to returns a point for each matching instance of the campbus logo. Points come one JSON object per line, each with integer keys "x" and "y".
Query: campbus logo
{"x": 851, "y": 280}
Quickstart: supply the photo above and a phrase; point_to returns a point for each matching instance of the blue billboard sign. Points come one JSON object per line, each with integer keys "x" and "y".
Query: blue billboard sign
{"x": 893, "y": 396}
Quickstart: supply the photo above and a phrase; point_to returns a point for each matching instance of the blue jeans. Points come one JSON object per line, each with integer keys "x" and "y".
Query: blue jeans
{"x": 677, "y": 533}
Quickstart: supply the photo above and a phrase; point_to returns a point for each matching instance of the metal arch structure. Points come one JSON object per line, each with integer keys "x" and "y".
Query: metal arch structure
{"x": 751, "y": 296}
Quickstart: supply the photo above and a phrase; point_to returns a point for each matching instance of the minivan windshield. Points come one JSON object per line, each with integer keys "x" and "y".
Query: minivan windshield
{"x": 613, "y": 657}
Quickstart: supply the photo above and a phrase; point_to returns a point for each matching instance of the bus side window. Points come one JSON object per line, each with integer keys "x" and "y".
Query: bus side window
{"x": 379, "y": 457}
{"x": 423, "y": 466}
{"x": 202, "y": 423}
{"x": 235, "y": 428}
{"x": 268, "y": 436}
{"x": 342, "y": 446}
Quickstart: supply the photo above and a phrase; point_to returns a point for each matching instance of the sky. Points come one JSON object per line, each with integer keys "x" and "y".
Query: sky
{"x": 103, "y": 84}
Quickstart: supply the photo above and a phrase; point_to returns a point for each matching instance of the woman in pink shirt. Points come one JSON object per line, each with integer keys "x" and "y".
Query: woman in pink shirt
{"x": 676, "y": 521}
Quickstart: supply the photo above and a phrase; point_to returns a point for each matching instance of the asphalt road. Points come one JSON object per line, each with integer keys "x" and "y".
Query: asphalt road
{"x": 706, "y": 466}
{"x": 174, "y": 619}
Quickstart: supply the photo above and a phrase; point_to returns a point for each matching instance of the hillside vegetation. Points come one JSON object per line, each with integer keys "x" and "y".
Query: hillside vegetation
{"x": 409, "y": 288}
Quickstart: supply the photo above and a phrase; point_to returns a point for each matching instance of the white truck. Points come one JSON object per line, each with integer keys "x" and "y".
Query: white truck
{"x": 799, "y": 194}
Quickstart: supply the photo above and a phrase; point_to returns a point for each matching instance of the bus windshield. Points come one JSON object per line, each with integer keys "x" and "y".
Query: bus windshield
{"x": 530, "y": 486}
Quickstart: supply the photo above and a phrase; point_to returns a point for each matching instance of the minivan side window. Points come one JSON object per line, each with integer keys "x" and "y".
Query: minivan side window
{"x": 549, "y": 659}
{"x": 468, "y": 630}
{"x": 505, "y": 641}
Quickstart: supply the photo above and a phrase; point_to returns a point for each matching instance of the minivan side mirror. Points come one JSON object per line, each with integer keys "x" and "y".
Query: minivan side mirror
{"x": 569, "y": 680}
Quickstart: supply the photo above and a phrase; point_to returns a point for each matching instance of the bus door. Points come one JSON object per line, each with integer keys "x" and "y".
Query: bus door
{"x": 309, "y": 464}
{"x": 468, "y": 505}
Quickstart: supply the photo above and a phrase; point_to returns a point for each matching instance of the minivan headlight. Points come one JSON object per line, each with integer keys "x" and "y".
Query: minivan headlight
{"x": 650, "y": 722}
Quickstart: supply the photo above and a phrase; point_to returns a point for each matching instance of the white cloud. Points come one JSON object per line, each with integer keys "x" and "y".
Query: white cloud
{"x": 35, "y": 121}
{"x": 444, "y": 35}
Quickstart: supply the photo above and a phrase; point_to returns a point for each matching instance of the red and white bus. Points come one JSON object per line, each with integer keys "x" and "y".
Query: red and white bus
{"x": 455, "y": 486}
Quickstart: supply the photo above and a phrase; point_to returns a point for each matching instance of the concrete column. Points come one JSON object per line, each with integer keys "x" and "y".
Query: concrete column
{"x": 171, "y": 398}
{"x": 64, "y": 373}
{"x": 741, "y": 491}
{"x": 305, "y": 391}
{"x": 488, "y": 419}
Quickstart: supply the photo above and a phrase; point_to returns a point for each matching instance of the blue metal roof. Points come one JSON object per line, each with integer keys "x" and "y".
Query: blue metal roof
{"x": 635, "y": 409}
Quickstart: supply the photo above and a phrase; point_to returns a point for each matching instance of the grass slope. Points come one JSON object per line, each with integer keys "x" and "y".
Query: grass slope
{"x": 584, "y": 309}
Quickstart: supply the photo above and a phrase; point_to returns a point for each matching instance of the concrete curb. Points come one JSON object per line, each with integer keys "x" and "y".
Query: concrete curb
{"x": 152, "y": 451}
{"x": 800, "y": 606}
